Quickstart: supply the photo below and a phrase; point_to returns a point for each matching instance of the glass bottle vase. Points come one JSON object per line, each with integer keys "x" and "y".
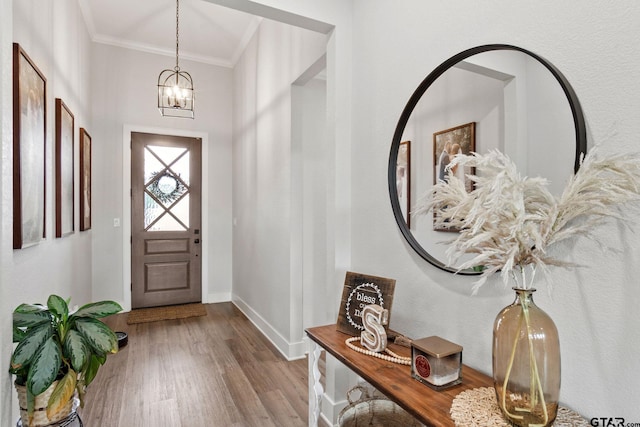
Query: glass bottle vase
{"x": 526, "y": 362}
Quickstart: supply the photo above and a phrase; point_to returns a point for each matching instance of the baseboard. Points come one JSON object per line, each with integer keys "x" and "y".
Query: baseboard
{"x": 291, "y": 351}
{"x": 218, "y": 297}
{"x": 324, "y": 422}
{"x": 330, "y": 410}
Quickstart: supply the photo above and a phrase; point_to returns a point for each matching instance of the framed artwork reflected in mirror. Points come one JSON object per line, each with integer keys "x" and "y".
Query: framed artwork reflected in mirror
{"x": 29, "y": 141}
{"x": 64, "y": 169}
{"x": 403, "y": 180}
{"x": 446, "y": 145}
{"x": 85, "y": 180}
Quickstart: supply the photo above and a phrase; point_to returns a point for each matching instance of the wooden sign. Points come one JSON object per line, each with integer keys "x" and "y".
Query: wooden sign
{"x": 359, "y": 291}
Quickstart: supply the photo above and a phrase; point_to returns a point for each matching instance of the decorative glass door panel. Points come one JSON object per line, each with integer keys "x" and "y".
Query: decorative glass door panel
{"x": 166, "y": 172}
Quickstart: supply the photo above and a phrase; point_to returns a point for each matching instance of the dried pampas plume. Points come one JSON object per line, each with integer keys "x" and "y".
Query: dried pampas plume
{"x": 508, "y": 222}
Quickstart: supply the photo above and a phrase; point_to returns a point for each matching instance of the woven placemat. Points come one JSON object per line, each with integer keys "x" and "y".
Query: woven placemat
{"x": 154, "y": 314}
{"x": 478, "y": 407}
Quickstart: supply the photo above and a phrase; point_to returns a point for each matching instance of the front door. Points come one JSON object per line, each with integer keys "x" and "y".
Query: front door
{"x": 165, "y": 220}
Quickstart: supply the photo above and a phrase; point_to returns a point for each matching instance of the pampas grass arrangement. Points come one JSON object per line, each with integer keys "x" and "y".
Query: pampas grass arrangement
{"x": 508, "y": 222}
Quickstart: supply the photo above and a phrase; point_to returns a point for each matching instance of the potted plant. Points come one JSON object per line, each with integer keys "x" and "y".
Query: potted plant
{"x": 58, "y": 355}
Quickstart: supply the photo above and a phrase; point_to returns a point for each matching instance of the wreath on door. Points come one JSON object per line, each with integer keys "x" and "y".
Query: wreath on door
{"x": 166, "y": 187}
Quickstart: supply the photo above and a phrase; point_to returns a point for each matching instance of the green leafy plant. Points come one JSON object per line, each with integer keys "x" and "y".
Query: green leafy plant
{"x": 54, "y": 344}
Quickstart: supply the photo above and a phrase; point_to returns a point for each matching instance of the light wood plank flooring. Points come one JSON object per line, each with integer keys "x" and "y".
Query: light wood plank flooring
{"x": 215, "y": 370}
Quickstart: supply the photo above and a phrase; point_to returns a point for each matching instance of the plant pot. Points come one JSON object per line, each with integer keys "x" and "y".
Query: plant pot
{"x": 40, "y": 418}
{"x": 526, "y": 362}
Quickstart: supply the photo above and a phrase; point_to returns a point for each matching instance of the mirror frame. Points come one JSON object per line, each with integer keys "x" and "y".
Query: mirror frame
{"x": 576, "y": 111}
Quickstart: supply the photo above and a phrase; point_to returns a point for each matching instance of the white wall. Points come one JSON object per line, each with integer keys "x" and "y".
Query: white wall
{"x": 56, "y": 39}
{"x": 338, "y": 15}
{"x": 595, "y": 45}
{"x": 6, "y": 223}
{"x": 313, "y": 183}
{"x": 262, "y": 189}
{"x": 335, "y": 18}
{"x": 125, "y": 95}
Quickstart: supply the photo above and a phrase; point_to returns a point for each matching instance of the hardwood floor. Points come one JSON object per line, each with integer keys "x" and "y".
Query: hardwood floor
{"x": 215, "y": 370}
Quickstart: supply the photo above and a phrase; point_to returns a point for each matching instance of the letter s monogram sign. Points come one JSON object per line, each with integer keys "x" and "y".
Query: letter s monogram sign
{"x": 374, "y": 336}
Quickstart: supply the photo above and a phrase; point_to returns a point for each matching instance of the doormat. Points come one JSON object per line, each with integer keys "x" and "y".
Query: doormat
{"x": 154, "y": 314}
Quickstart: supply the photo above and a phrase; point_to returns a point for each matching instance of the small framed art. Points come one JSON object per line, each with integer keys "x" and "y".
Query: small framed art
{"x": 85, "y": 180}
{"x": 403, "y": 180}
{"x": 64, "y": 170}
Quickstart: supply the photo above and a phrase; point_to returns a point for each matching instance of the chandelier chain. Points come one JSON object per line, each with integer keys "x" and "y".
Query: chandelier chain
{"x": 175, "y": 87}
{"x": 177, "y": 32}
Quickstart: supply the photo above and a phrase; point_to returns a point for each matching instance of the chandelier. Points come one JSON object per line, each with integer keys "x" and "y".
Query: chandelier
{"x": 175, "y": 87}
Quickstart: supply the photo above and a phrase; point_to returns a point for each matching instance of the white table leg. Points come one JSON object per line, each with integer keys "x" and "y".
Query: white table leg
{"x": 315, "y": 388}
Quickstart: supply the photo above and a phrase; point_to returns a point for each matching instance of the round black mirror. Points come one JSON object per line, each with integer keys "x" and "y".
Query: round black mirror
{"x": 487, "y": 97}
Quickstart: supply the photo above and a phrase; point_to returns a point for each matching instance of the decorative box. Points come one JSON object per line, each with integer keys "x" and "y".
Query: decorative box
{"x": 436, "y": 362}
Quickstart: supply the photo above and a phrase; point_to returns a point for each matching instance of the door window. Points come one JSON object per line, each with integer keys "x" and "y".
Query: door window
{"x": 166, "y": 189}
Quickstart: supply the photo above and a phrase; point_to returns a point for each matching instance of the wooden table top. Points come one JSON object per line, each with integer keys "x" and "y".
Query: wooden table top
{"x": 429, "y": 406}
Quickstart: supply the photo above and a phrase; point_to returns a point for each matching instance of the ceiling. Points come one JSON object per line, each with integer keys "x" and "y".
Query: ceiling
{"x": 208, "y": 32}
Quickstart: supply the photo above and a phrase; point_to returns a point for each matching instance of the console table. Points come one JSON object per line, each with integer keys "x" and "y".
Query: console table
{"x": 428, "y": 406}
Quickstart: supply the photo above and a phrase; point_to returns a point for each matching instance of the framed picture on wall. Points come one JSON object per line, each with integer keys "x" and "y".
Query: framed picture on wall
{"x": 446, "y": 145}
{"x": 85, "y": 180}
{"x": 403, "y": 180}
{"x": 29, "y": 141}
{"x": 64, "y": 169}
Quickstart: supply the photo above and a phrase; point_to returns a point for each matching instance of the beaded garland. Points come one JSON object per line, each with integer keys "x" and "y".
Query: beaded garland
{"x": 390, "y": 357}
